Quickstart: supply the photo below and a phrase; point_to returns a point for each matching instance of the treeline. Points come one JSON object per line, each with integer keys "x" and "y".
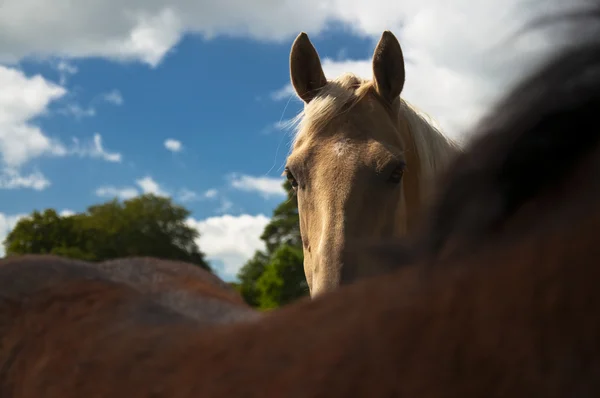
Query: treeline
{"x": 149, "y": 225}
{"x": 276, "y": 276}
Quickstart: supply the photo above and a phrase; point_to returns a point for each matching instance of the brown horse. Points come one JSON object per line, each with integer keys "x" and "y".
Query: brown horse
{"x": 181, "y": 286}
{"x": 363, "y": 162}
{"x": 511, "y": 307}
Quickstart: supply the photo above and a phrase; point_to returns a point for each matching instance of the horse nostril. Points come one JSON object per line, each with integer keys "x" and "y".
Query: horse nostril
{"x": 306, "y": 244}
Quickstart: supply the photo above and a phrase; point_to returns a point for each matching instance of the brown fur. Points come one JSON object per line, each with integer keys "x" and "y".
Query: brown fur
{"x": 353, "y": 136}
{"x": 181, "y": 286}
{"x": 523, "y": 325}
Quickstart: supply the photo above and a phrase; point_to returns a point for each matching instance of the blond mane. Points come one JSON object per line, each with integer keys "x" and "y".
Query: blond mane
{"x": 339, "y": 95}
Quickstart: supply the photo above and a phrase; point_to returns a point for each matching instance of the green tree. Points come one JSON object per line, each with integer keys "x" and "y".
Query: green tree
{"x": 39, "y": 233}
{"x": 146, "y": 225}
{"x": 283, "y": 279}
{"x": 249, "y": 275}
{"x": 276, "y": 276}
{"x": 284, "y": 227}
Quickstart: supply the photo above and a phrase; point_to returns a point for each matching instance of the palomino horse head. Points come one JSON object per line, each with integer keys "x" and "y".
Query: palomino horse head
{"x": 363, "y": 161}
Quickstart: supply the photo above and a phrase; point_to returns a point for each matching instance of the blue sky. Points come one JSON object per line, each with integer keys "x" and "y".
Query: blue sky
{"x": 181, "y": 103}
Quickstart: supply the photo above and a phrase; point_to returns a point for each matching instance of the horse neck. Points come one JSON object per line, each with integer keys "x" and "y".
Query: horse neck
{"x": 427, "y": 152}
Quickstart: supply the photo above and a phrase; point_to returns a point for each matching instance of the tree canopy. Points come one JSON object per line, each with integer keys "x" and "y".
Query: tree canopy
{"x": 146, "y": 225}
{"x": 275, "y": 277}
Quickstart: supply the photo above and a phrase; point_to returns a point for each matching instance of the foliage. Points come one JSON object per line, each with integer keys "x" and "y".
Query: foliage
{"x": 283, "y": 279}
{"x": 284, "y": 227}
{"x": 276, "y": 276}
{"x": 249, "y": 275}
{"x": 147, "y": 225}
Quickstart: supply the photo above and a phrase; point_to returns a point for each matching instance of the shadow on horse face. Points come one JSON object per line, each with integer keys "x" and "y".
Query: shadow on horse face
{"x": 363, "y": 161}
{"x": 509, "y": 308}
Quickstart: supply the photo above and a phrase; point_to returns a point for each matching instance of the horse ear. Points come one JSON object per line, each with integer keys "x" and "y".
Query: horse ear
{"x": 388, "y": 67}
{"x": 306, "y": 73}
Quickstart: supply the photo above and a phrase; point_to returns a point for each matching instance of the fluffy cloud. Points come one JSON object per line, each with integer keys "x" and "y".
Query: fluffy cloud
{"x": 173, "y": 145}
{"x": 146, "y": 30}
{"x": 230, "y": 240}
{"x": 22, "y": 99}
{"x": 266, "y": 186}
{"x": 13, "y": 179}
{"x": 148, "y": 185}
{"x": 144, "y": 185}
{"x": 457, "y": 56}
{"x": 457, "y": 63}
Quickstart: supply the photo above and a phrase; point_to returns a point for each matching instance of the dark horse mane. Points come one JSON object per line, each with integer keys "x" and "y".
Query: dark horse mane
{"x": 523, "y": 150}
{"x": 511, "y": 307}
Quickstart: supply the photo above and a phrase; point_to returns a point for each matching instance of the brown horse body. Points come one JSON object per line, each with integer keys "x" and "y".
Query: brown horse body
{"x": 183, "y": 287}
{"x": 501, "y": 299}
{"x": 514, "y": 320}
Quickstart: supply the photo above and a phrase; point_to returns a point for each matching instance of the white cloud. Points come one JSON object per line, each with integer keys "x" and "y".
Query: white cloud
{"x": 457, "y": 60}
{"x": 146, "y": 31}
{"x": 284, "y": 93}
{"x": 148, "y": 185}
{"x": 108, "y": 191}
{"x": 459, "y": 57}
{"x": 211, "y": 193}
{"x": 13, "y": 179}
{"x": 145, "y": 185}
{"x": 230, "y": 239}
{"x": 454, "y": 98}
{"x": 173, "y": 145}
{"x": 23, "y": 98}
{"x": 186, "y": 195}
{"x": 66, "y": 213}
{"x": 65, "y": 69}
{"x": 95, "y": 150}
{"x": 113, "y": 97}
{"x": 7, "y": 223}
{"x": 266, "y": 186}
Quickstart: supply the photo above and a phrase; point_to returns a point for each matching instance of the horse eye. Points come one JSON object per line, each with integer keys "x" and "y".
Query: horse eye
{"x": 397, "y": 174}
{"x": 290, "y": 177}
